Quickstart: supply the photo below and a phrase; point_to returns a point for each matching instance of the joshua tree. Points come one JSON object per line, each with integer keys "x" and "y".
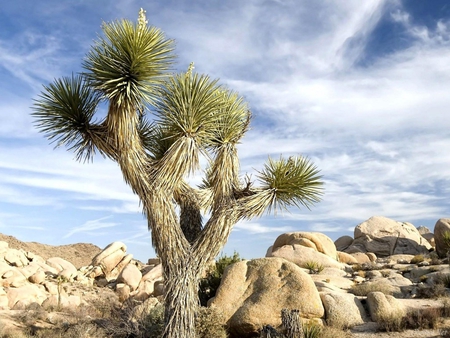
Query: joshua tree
{"x": 191, "y": 116}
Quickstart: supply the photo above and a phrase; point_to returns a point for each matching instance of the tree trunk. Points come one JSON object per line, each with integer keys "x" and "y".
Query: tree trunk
{"x": 181, "y": 302}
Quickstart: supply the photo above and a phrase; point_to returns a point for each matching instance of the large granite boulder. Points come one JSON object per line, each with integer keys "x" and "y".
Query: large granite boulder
{"x": 343, "y": 309}
{"x": 382, "y": 307}
{"x": 130, "y": 276}
{"x": 253, "y": 293}
{"x": 304, "y": 247}
{"x": 386, "y": 237}
{"x": 316, "y": 240}
{"x": 442, "y": 236}
{"x": 343, "y": 242}
{"x": 112, "y": 259}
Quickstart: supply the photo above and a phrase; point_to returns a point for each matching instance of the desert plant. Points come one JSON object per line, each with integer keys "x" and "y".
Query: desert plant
{"x": 385, "y": 273}
{"x": 313, "y": 267}
{"x": 444, "y": 332}
{"x": 442, "y": 278}
{"x": 446, "y": 240}
{"x": 193, "y": 116}
{"x": 423, "y": 278}
{"x": 391, "y": 322}
{"x": 292, "y": 323}
{"x": 209, "y": 285}
{"x": 361, "y": 273}
{"x": 431, "y": 291}
{"x": 423, "y": 319}
{"x": 366, "y": 266}
{"x": 312, "y": 330}
{"x": 334, "y": 332}
{"x": 417, "y": 259}
{"x": 210, "y": 323}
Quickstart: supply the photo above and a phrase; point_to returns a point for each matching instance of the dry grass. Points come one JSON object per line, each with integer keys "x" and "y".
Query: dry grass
{"x": 417, "y": 259}
{"x": 334, "y": 332}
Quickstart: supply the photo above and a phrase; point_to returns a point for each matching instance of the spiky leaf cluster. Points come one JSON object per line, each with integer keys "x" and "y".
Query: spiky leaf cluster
{"x": 64, "y": 112}
{"x": 294, "y": 182}
{"x": 127, "y": 64}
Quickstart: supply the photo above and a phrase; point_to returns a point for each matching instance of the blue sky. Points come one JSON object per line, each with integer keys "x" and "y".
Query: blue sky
{"x": 360, "y": 87}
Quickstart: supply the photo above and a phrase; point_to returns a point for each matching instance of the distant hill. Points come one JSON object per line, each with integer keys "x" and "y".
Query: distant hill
{"x": 79, "y": 254}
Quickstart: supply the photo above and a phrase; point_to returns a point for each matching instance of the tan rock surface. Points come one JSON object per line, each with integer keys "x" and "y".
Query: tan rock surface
{"x": 254, "y": 292}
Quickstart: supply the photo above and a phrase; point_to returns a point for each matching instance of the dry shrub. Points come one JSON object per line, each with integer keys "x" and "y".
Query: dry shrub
{"x": 209, "y": 323}
{"x": 334, "y": 332}
{"x": 444, "y": 332}
{"x": 424, "y": 319}
{"x": 432, "y": 291}
{"x": 417, "y": 259}
{"x": 392, "y": 322}
{"x": 366, "y": 266}
{"x": 437, "y": 288}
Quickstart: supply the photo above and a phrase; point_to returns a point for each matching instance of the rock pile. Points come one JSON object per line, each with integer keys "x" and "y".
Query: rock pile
{"x": 345, "y": 283}
{"x": 27, "y": 278}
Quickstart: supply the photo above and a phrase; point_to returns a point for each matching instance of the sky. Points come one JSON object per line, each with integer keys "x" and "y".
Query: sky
{"x": 361, "y": 88}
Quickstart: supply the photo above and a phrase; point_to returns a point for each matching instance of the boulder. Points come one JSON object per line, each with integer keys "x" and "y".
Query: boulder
{"x": 372, "y": 256}
{"x": 64, "y": 268}
{"x": 30, "y": 293}
{"x": 62, "y": 301}
{"x": 383, "y": 306}
{"x": 430, "y": 238}
{"x": 442, "y": 236}
{"x": 343, "y": 242}
{"x": 110, "y": 257}
{"x": 123, "y": 291}
{"x": 253, "y": 293}
{"x": 120, "y": 266}
{"x": 13, "y": 278}
{"x": 315, "y": 240}
{"x": 3, "y": 248}
{"x": 147, "y": 285}
{"x": 343, "y": 309}
{"x": 423, "y": 230}
{"x": 386, "y": 237}
{"x": 301, "y": 255}
{"x": 38, "y": 277}
{"x": 130, "y": 276}
{"x": 360, "y": 257}
{"x": 346, "y": 258}
{"x": 16, "y": 257}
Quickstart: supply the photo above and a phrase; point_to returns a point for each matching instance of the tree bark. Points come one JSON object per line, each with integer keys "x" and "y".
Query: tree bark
{"x": 181, "y": 301}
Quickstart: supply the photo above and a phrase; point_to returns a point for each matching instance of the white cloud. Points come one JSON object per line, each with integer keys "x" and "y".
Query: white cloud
{"x": 258, "y": 228}
{"x": 92, "y": 227}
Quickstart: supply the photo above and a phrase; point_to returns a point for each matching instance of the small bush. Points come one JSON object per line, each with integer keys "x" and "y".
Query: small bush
{"x": 209, "y": 323}
{"x": 432, "y": 291}
{"x": 313, "y": 267}
{"x": 417, "y": 259}
{"x": 334, "y": 332}
{"x": 392, "y": 322}
{"x": 366, "y": 266}
{"x": 385, "y": 273}
{"x": 312, "y": 330}
{"x": 434, "y": 258}
{"x": 422, "y": 320}
{"x": 362, "y": 273}
{"x": 444, "y": 332}
{"x": 442, "y": 278}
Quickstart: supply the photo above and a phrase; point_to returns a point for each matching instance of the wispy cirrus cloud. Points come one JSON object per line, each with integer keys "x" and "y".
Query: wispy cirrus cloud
{"x": 92, "y": 227}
